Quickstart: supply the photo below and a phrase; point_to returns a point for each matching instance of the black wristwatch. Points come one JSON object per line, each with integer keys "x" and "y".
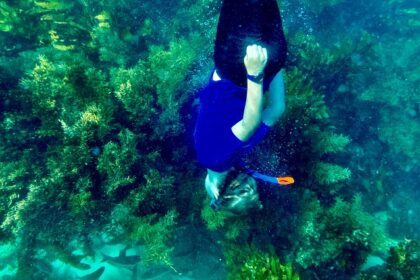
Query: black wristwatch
{"x": 256, "y": 78}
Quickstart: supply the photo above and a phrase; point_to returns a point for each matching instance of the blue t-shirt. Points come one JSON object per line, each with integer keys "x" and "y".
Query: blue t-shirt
{"x": 222, "y": 105}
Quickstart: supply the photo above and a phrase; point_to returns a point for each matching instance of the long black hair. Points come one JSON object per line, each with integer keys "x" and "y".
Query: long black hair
{"x": 243, "y": 23}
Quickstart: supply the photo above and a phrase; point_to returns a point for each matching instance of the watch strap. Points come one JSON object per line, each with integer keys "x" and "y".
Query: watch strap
{"x": 256, "y": 78}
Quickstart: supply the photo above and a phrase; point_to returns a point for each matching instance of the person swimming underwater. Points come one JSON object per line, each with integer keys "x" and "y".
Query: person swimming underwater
{"x": 250, "y": 51}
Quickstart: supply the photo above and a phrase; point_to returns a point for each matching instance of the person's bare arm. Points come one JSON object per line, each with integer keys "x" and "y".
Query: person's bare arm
{"x": 275, "y": 102}
{"x": 255, "y": 61}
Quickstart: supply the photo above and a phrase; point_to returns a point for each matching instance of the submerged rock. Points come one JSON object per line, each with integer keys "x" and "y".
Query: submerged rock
{"x": 372, "y": 261}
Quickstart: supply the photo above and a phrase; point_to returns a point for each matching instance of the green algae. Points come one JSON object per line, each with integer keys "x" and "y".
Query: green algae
{"x": 403, "y": 263}
{"x": 96, "y": 142}
{"x": 249, "y": 262}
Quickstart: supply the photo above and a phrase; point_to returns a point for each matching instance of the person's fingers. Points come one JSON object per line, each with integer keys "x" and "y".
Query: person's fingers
{"x": 251, "y": 51}
{"x": 257, "y": 49}
{"x": 265, "y": 55}
{"x": 255, "y": 54}
{"x": 250, "y": 55}
{"x": 260, "y": 52}
{"x": 216, "y": 195}
{"x": 215, "y": 191}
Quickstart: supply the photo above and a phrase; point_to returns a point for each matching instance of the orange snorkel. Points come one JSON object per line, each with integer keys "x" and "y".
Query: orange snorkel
{"x": 281, "y": 180}
{"x": 215, "y": 204}
{"x": 284, "y": 181}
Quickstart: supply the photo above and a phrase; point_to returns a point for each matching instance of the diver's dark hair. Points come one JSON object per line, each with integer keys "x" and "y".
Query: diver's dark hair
{"x": 242, "y": 23}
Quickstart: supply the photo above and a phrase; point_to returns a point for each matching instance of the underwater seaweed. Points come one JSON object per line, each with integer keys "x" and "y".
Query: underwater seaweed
{"x": 402, "y": 263}
{"x": 96, "y": 104}
{"x": 80, "y": 160}
{"x": 152, "y": 231}
{"x": 338, "y": 238}
{"x": 309, "y": 136}
{"x": 249, "y": 262}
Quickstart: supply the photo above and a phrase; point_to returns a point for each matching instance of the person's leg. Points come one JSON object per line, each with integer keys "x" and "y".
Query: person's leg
{"x": 213, "y": 182}
{"x": 275, "y": 102}
{"x": 243, "y": 23}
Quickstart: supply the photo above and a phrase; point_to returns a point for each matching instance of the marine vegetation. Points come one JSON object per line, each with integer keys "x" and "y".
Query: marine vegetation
{"x": 98, "y": 101}
{"x": 319, "y": 245}
{"x": 249, "y": 262}
{"x": 87, "y": 149}
{"x": 403, "y": 263}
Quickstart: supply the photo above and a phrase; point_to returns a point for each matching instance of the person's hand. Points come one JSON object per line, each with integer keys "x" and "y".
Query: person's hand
{"x": 255, "y": 59}
{"x": 212, "y": 189}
